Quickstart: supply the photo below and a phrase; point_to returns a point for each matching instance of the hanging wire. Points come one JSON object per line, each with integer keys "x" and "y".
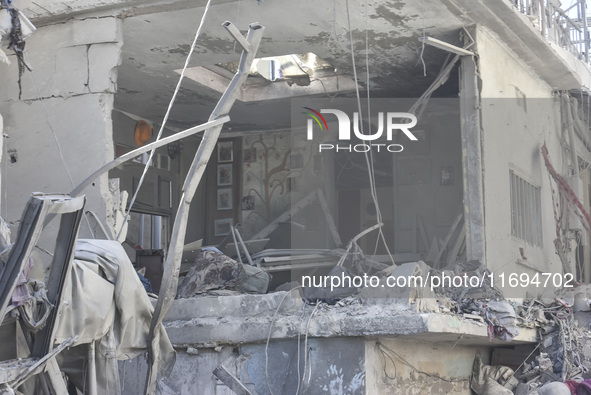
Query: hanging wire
{"x": 269, "y": 336}
{"x": 421, "y": 59}
{"x": 368, "y": 158}
{"x": 172, "y": 100}
{"x": 306, "y": 344}
{"x": 382, "y": 347}
{"x": 421, "y": 55}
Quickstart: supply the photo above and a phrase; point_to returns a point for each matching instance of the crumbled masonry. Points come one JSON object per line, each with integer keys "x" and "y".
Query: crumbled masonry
{"x": 349, "y": 198}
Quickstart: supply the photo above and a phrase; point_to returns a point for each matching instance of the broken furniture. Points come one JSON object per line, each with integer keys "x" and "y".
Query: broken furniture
{"x": 41, "y": 360}
{"x": 96, "y": 309}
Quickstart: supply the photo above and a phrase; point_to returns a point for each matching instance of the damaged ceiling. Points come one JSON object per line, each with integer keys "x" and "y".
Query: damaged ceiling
{"x": 157, "y": 43}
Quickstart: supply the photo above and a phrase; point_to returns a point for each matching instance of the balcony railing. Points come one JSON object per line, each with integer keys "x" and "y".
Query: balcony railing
{"x": 566, "y": 27}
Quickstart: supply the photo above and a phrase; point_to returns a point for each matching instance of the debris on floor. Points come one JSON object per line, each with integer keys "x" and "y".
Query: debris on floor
{"x": 213, "y": 270}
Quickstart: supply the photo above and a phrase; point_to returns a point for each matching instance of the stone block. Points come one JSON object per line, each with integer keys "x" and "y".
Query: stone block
{"x": 233, "y": 306}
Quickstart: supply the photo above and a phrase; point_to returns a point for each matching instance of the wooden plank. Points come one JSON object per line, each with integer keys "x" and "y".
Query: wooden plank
{"x": 39, "y": 365}
{"x": 286, "y": 216}
{"x": 445, "y": 46}
{"x": 433, "y": 251}
{"x": 253, "y": 246}
{"x": 453, "y": 253}
{"x": 446, "y": 240}
{"x": 298, "y": 266}
{"x": 11, "y": 369}
{"x": 231, "y": 381}
{"x": 423, "y": 232}
{"x": 298, "y": 259}
{"x": 55, "y": 378}
{"x": 195, "y": 245}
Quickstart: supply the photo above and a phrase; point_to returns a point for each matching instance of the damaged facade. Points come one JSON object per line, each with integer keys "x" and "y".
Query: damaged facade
{"x": 492, "y": 184}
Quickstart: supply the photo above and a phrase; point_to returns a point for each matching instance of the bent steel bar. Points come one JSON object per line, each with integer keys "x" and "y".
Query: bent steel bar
{"x": 173, "y": 257}
{"x": 156, "y": 144}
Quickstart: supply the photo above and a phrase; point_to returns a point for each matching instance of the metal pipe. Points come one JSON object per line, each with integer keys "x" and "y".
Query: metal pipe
{"x": 543, "y": 17}
{"x": 157, "y": 232}
{"x": 194, "y": 175}
{"x": 583, "y": 14}
{"x": 137, "y": 152}
{"x": 243, "y": 247}
{"x": 91, "y": 370}
{"x": 236, "y": 244}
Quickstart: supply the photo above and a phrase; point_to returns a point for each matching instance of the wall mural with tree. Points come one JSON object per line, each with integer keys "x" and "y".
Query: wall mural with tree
{"x": 271, "y": 170}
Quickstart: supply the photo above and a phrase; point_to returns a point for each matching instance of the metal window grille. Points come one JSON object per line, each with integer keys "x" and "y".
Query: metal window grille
{"x": 526, "y": 211}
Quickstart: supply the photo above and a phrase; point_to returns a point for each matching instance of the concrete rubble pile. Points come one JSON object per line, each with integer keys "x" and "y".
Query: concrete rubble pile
{"x": 556, "y": 364}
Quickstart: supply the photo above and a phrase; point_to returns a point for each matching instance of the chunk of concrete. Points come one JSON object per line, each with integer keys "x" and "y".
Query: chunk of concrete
{"x": 406, "y": 284}
{"x": 58, "y": 56}
{"x": 103, "y": 60}
{"x": 77, "y": 32}
{"x": 234, "y": 306}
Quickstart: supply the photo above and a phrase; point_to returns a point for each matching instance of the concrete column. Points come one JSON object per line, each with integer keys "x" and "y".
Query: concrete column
{"x": 60, "y": 130}
{"x": 472, "y": 160}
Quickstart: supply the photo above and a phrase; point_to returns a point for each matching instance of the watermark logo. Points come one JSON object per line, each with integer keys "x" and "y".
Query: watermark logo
{"x": 315, "y": 115}
{"x": 402, "y": 121}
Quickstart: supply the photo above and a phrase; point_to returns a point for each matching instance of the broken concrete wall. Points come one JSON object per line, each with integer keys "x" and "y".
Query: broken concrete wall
{"x": 341, "y": 354}
{"x": 518, "y": 114}
{"x": 333, "y": 366}
{"x": 60, "y": 131}
{"x": 442, "y": 367}
{"x": 348, "y": 365}
{"x": 192, "y": 372}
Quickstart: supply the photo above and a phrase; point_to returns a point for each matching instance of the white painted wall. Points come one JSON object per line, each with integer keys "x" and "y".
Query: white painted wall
{"x": 66, "y": 106}
{"x": 511, "y": 139}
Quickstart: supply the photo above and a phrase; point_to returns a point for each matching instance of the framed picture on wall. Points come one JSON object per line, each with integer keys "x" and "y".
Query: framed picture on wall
{"x": 225, "y": 151}
{"x": 222, "y": 226}
{"x": 250, "y": 155}
{"x": 224, "y": 199}
{"x": 225, "y": 174}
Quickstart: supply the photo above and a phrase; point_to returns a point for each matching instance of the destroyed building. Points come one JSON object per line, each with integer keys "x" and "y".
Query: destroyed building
{"x": 297, "y": 140}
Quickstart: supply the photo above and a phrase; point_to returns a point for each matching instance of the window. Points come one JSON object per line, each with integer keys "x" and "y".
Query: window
{"x": 526, "y": 211}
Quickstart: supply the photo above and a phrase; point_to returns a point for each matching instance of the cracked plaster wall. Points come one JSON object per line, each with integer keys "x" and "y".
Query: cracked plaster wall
{"x": 334, "y": 366}
{"x": 386, "y": 373}
{"x": 70, "y": 93}
{"x": 519, "y": 114}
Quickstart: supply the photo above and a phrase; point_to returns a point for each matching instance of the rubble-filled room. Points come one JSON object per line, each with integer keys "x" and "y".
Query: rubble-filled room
{"x": 272, "y": 197}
